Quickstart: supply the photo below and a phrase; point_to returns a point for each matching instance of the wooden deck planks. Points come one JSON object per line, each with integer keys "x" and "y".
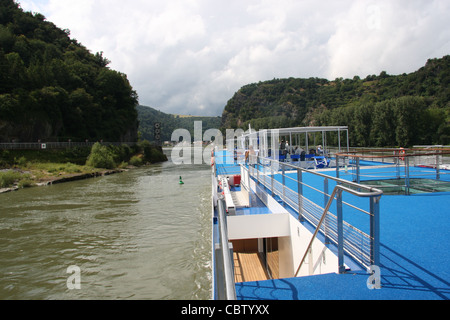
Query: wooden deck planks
{"x": 273, "y": 261}
{"x": 248, "y": 267}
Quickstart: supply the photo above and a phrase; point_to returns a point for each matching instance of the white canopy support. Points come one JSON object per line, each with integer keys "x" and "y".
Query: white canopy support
{"x": 270, "y": 139}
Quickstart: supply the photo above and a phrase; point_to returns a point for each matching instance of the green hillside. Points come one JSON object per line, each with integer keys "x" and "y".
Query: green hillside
{"x": 381, "y": 110}
{"x": 53, "y": 88}
{"x": 169, "y": 123}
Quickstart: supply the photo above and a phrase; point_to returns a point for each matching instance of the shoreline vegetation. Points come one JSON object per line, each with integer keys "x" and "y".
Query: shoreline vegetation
{"x": 29, "y": 168}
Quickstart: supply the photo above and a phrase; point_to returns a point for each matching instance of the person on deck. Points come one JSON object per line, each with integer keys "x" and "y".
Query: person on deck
{"x": 319, "y": 150}
{"x": 250, "y": 156}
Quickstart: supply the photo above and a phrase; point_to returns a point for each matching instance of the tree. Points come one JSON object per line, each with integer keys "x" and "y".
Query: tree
{"x": 100, "y": 60}
{"x": 408, "y": 112}
{"x": 101, "y": 157}
{"x": 15, "y": 71}
{"x": 56, "y": 86}
{"x": 8, "y": 107}
{"x": 383, "y": 125}
{"x": 362, "y": 117}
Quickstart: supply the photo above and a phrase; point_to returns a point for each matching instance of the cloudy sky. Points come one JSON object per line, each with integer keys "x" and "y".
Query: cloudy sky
{"x": 191, "y": 56}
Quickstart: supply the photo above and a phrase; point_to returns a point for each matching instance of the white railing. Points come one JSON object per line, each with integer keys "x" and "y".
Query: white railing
{"x": 362, "y": 246}
{"x": 398, "y": 170}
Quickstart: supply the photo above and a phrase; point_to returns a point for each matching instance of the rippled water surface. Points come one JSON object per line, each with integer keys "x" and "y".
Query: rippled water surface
{"x": 134, "y": 235}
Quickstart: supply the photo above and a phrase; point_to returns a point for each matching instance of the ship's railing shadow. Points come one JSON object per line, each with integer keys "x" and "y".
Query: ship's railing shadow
{"x": 404, "y": 275}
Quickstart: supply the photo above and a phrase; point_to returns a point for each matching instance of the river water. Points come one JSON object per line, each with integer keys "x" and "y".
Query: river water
{"x": 133, "y": 235}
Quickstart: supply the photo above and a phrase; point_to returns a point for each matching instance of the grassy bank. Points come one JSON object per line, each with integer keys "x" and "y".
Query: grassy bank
{"x": 34, "y": 174}
{"x": 27, "y": 168}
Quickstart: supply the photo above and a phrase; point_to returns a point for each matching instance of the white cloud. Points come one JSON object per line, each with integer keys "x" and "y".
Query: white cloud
{"x": 190, "y": 56}
{"x": 393, "y": 36}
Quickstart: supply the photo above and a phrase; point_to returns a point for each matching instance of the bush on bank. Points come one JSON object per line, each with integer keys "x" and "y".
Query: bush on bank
{"x": 110, "y": 157}
{"x": 9, "y": 178}
{"x": 99, "y": 156}
{"x": 25, "y": 168}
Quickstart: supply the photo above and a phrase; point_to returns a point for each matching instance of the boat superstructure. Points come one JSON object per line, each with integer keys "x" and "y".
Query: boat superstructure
{"x": 295, "y": 222}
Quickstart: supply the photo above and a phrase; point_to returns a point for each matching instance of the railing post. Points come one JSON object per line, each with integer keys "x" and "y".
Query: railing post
{"x": 260, "y": 161}
{"x": 257, "y": 172}
{"x": 271, "y": 179}
{"x": 438, "y": 176}
{"x": 326, "y": 198}
{"x": 407, "y": 185}
{"x": 283, "y": 178}
{"x": 375, "y": 230}
{"x": 358, "y": 178}
{"x": 300, "y": 193}
{"x": 249, "y": 186}
{"x": 337, "y": 166}
{"x": 325, "y": 192}
{"x": 340, "y": 231}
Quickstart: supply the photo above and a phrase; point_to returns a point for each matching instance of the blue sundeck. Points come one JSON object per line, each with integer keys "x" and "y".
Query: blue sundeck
{"x": 412, "y": 240}
{"x": 413, "y": 249}
{"x": 357, "y": 226}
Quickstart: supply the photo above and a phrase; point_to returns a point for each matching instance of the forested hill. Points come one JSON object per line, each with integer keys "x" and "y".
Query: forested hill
{"x": 383, "y": 110}
{"x": 53, "y": 88}
{"x": 169, "y": 123}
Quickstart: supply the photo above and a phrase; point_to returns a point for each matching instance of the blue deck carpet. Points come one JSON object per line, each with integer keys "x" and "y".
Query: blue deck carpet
{"x": 414, "y": 257}
{"x": 414, "y": 250}
{"x": 414, "y": 254}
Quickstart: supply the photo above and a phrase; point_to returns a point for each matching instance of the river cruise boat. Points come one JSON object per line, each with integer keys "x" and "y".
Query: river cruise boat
{"x": 299, "y": 215}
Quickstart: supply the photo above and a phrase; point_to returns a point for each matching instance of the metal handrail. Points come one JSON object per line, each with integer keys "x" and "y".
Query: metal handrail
{"x": 353, "y": 188}
{"x": 230, "y": 289}
{"x": 338, "y": 180}
{"x": 336, "y": 191}
{"x": 399, "y": 156}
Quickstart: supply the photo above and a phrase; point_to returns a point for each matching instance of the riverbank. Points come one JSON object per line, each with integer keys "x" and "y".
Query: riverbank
{"x": 29, "y": 168}
{"x": 16, "y": 179}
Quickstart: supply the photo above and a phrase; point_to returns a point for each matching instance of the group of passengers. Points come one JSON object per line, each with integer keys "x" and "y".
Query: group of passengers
{"x": 286, "y": 149}
{"x": 297, "y": 152}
